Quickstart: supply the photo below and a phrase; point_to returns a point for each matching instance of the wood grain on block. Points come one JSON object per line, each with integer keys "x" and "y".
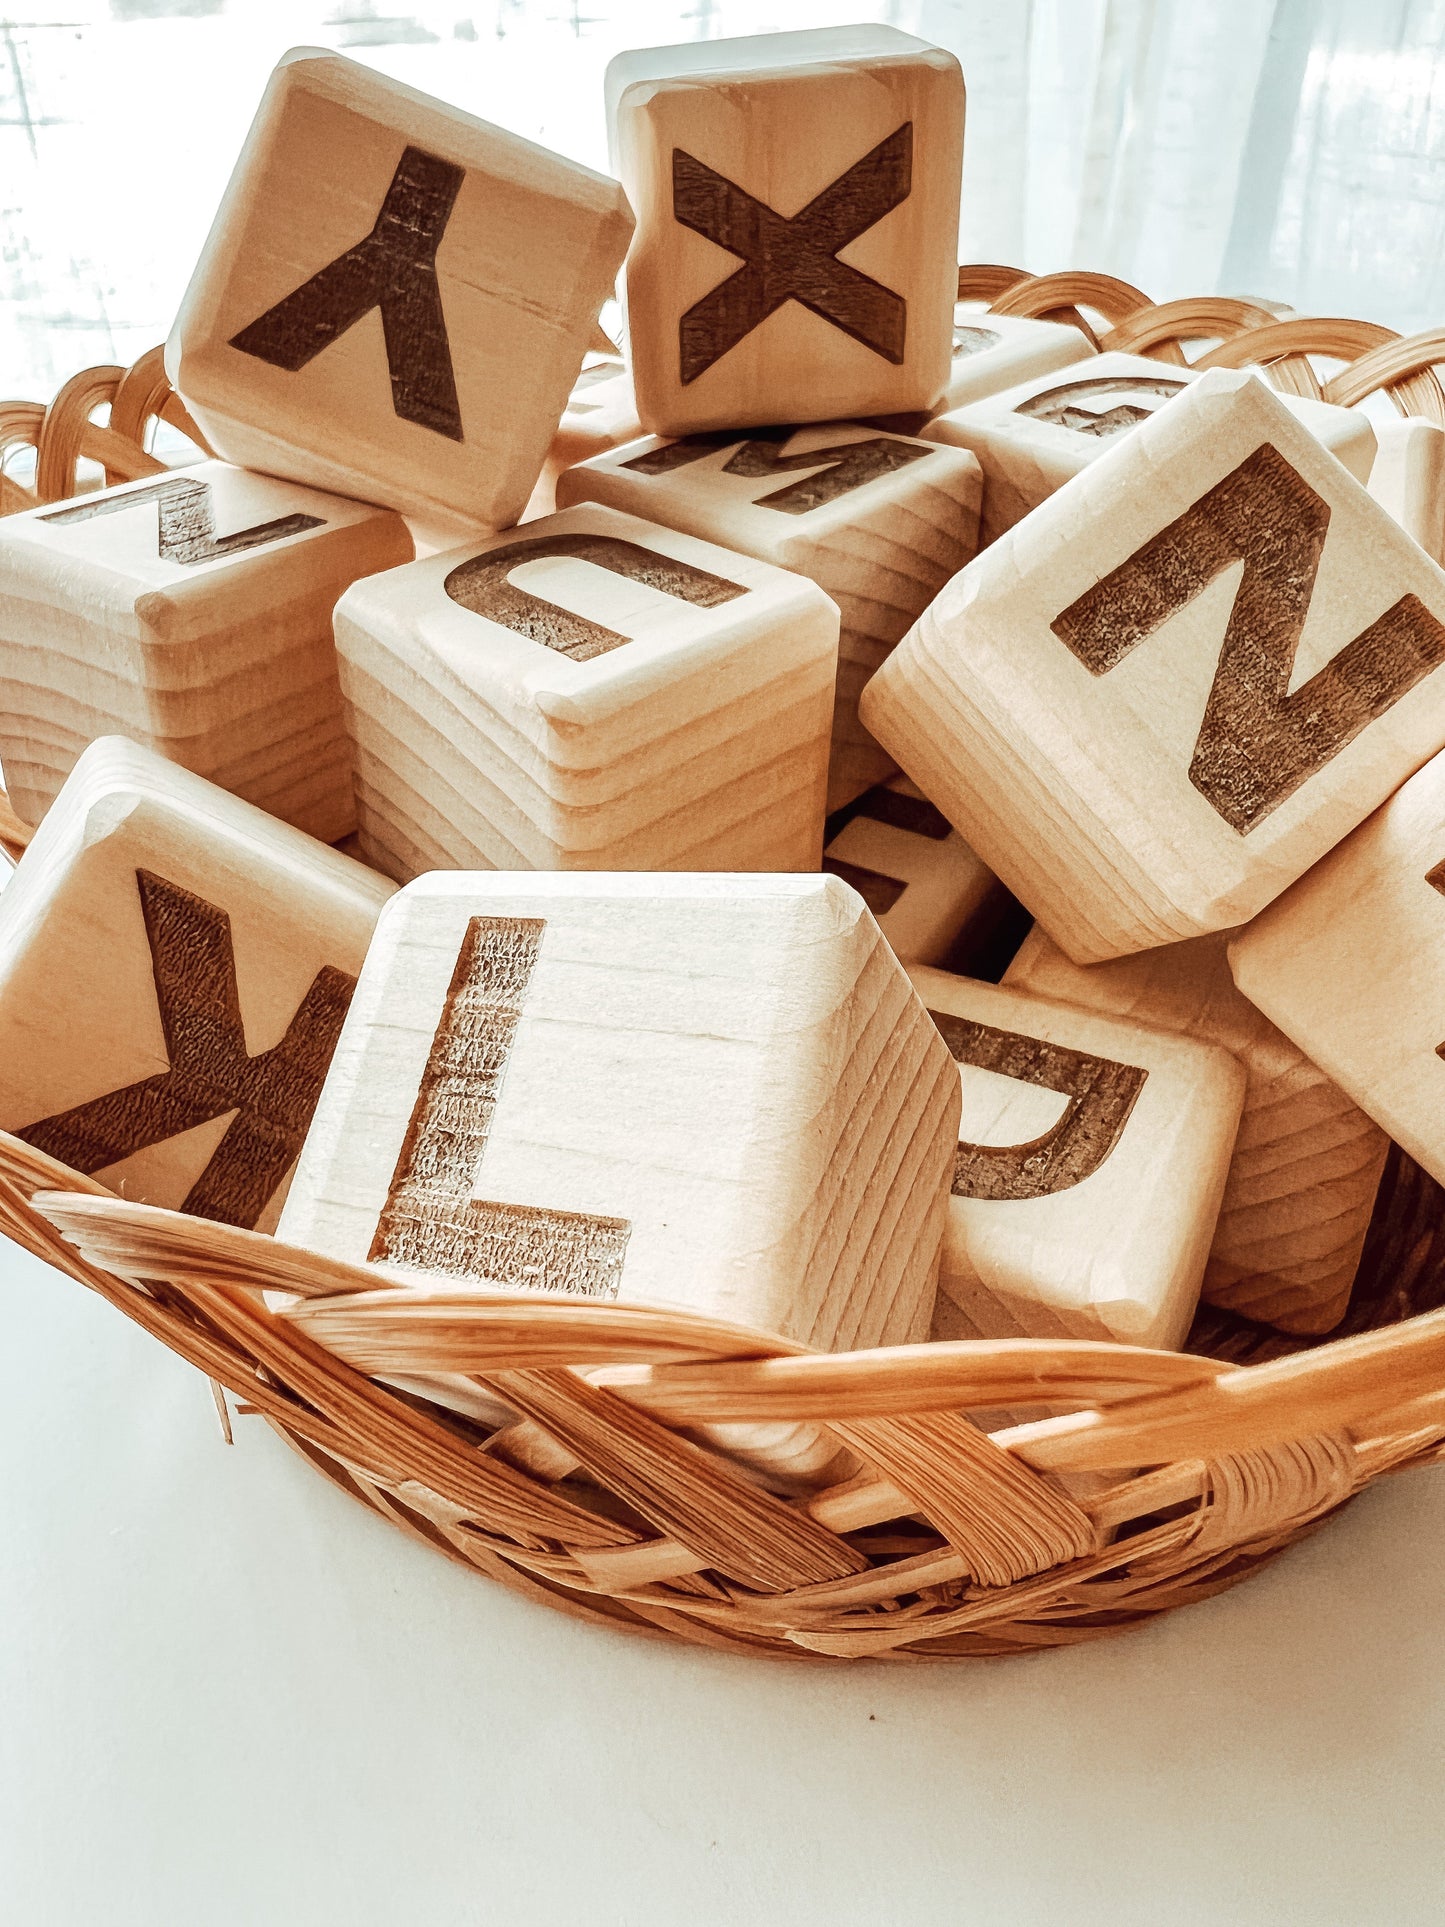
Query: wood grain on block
{"x": 589, "y": 692}
{"x": 1407, "y": 479}
{"x": 395, "y": 297}
{"x": 993, "y": 352}
{"x": 175, "y": 967}
{"x": 1091, "y": 1160}
{"x": 1032, "y": 439}
{"x": 797, "y": 225}
{"x": 1176, "y": 685}
{"x": 870, "y": 517}
{"x": 718, "y": 1092}
{"x": 192, "y": 613}
{"x": 1307, "y": 1161}
{"x": 1350, "y": 963}
{"x": 913, "y": 870}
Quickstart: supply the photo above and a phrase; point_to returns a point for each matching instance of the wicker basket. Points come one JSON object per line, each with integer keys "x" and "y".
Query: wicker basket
{"x": 1148, "y": 1480}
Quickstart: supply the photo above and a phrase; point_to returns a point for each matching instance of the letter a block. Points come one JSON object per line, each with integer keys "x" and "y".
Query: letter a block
{"x": 395, "y": 298}
{"x": 1090, "y": 1163}
{"x": 192, "y": 613}
{"x": 874, "y": 519}
{"x": 1180, "y": 682}
{"x": 797, "y": 225}
{"x": 174, "y": 971}
{"x": 589, "y": 692}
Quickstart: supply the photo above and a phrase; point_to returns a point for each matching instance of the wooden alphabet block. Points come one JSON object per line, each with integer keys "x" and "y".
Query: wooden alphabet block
{"x": 1091, "y": 1160}
{"x": 1179, "y": 682}
{"x": 395, "y": 298}
{"x": 797, "y": 225}
{"x": 1307, "y": 1161}
{"x": 912, "y": 869}
{"x": 871, "y": 517}
{"x": 993, "y": 352}
{"x": 190, "y": 612}
{"x": 1407, "y": 479}
{"x": 601, "y": 413}
{"x": 1032, "y": 439}
{"x": 174, "y": 970}
{"x": 589, "y": 692}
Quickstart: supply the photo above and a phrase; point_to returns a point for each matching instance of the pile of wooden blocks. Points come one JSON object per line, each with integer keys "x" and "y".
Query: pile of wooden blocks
{"x": 585, "y": 650}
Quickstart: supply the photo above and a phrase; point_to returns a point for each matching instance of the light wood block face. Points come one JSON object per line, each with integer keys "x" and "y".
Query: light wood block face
{"x": 395, "y": 298}
{"x": 1091, "y": 1159}
{"x": 1180, "y": 682}
{"x": 994, "y": 352}
{"x": 1350, "y": 963}
{"x": 1033, "y": 438}
{"x": 913, "y": 870}
{"x": 797, "y": 225}
{"x": 175, "y": 967}
{"x": 192, "y": 613}
{"x": 872, "y": 518}
{"x": 1408, "y": 479}
{"x": 589, "y": 692}
{"x": 1307, "y": 1161}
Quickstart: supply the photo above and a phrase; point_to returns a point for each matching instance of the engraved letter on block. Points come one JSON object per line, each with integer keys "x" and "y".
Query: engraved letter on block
{"x": 187, "y": 521}
{"x": 839, "y": 469}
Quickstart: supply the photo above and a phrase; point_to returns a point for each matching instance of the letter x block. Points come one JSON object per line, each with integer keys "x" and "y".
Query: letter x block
{"x": 395, "y": 298}
{"x": 913, "y": 870}
{"x": 174, "y": 970}
{"x": 589, "y": 692}
{"x": 1091, "y": 1159}
{"x": 878, "y": 521}
{"x": 192, "y": 613}
{"x": 1179, "y": 682}
{"x": 797, "y": 225}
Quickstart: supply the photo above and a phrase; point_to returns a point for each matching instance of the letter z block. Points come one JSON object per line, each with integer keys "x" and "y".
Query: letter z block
{"x": 174, "y": 971}
{"x": 395, "y": 298}
{"x": 1176, "y": 685}
{"x": 797, "y": 225}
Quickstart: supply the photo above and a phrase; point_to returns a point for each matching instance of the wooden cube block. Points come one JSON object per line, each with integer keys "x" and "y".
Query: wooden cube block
{"x": 1179, "y": 682}
{"x": 601, "y": 413}
{"x": 797, "y": 225}
{"x": 872, "y": 518}
{"x": 1091, "y": 1160}
{"x": 174, "y": 970}
{"x": 1407, "y": 479}
{"x": 1307, "y": 1161}
{"x": 395, "y": 297}
{"x": 912, "y": 869}
{"x": 190, "y": 612}
{"x": 1033, "y": 438}
{"x": 992, "y": 352}
{"x": 589, "y": 692}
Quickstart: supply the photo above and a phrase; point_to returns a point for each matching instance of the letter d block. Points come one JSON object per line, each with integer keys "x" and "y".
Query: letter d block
{"x": 1179, "y": 682}
{"x": 589, "y": 692}
{"x": 797, "y": 225}
{"x": 174, "y": 971}
{"x": 395, "y": 298}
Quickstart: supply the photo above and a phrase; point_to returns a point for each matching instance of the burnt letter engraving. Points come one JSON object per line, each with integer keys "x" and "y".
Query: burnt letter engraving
{"x": 840, "y": 469}
{"x": 879, "y": 892}
{"x": 1064, "y": 407}
{"x": 187, "y": 519}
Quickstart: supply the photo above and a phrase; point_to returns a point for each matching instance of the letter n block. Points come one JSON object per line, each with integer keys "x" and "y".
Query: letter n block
{"x": 589, "y": 692}
{"x": 1179, "y": 682}
{"x": 797, "y": 225}
{"x": 192, "y": 613}
{"x": 395, "y": 298}
{"x": 1091, "y": 1159}
{"x": 174, "y": 970}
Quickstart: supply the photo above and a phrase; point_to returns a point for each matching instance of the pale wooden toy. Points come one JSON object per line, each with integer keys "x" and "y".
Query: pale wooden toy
{"x": 601, "y": 413}
{"x": 871, "y": 517}
{"x": 1307, "y": 1161}
{"x": 797, "y": 220}
{"x": 1031, "y": 439}
{"x": 1091, "y": 1160}
{"x": 395, "y": 297}
{"x": 992, "y": 352}
{"x": 913, "y": 870}
{"x": 589, "y": 692}
{"x": 1408, "y": 479}
{"x": 190, "y": 612}
{"x": 1144, "y": 741}
{"x": 174, "y": 970}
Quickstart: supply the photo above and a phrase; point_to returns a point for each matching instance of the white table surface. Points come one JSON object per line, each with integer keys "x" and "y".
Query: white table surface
{"x": 229, "y": 1695}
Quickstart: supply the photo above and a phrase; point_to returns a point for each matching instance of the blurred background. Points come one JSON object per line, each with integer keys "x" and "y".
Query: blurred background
{"x": 1292, "y": 150}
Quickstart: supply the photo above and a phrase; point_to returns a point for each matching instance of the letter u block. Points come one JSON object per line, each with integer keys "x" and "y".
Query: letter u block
{"x": 797, "y": 225}
{"x": 589, "y": 692}
{"x": 192, "y": 613}
{"x": 174, "y": 970}
{"x": 395, "y": 298}
{"x": 1179, "y": 682}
